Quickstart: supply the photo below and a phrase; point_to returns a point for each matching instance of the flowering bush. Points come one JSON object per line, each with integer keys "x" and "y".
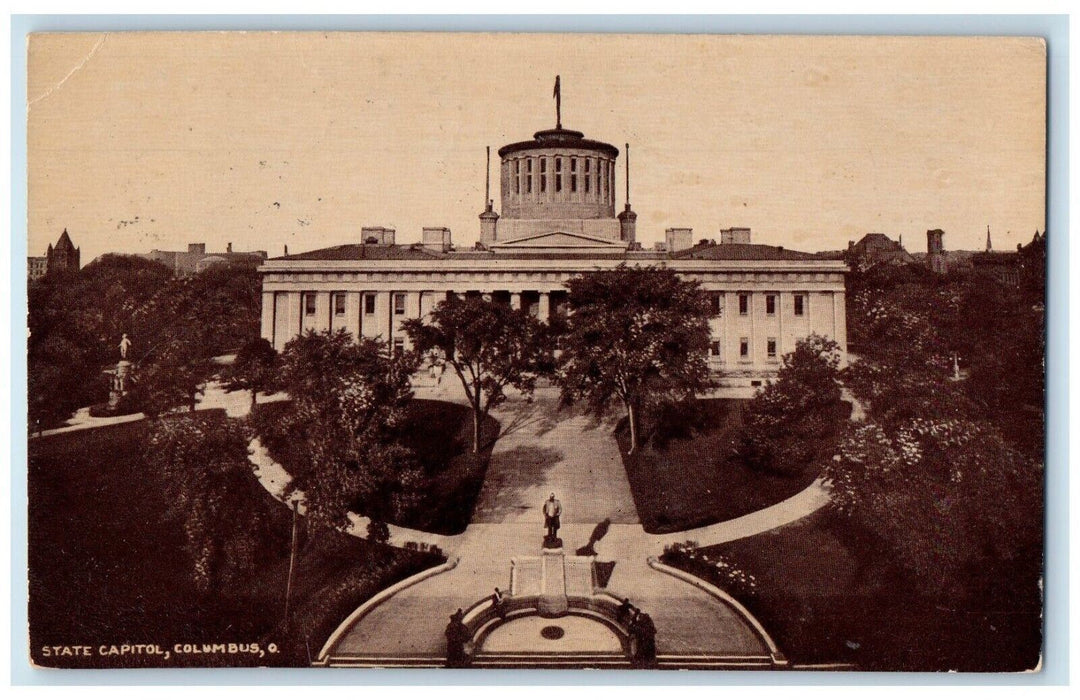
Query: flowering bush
{"x": 714, "y": 568}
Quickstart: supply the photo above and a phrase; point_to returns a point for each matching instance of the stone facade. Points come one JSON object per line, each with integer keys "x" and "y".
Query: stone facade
{"x": 764, "y": 298}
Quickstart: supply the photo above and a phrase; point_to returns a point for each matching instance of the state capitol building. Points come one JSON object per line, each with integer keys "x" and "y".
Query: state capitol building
{"x": 557, "y": 220}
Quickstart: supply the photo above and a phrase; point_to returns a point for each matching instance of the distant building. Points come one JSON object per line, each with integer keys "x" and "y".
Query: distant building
{"x": 935, "y": 252}
{"x": 1013, "y": 268}
{"x": 1004, "y": 267}
{"x": 58, "y": 260}
{"x": 876, "y": 249}
{"x": 196, "y": 259}
{"x": 36, "y": 265}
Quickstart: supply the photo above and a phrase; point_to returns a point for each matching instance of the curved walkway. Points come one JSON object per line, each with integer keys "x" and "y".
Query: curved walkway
{"x": 802, "y": 504}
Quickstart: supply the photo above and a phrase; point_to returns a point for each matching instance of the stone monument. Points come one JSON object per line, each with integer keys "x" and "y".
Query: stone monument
{"x": 121, "y": 375}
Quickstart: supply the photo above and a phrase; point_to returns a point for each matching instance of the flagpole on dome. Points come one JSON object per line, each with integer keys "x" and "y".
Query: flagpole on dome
{"x": 558, "y": 103}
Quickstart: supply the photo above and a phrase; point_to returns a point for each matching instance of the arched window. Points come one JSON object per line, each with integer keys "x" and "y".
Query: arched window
{"x": 517, "y": 177}
{"x": 528, "y": 176}
{"x": 558, "y": 174}
{"x": 543, "y": 175}
{"x": 573, "y": 174}
{"x": 588, "y": 175}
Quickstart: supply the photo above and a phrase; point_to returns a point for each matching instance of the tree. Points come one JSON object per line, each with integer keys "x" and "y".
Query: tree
{"x": 950, "y": 500}
{"x": 203, "y": 461}
{"x": 75, "y": 322}
{"x": 254, "y": 369}
{"x": 635, "y": 334}
{"x": 490, "y": 347}
{"x": 349, "y": 398}
{"x": 792, "y": 423}
{"x": 174, "y": 377}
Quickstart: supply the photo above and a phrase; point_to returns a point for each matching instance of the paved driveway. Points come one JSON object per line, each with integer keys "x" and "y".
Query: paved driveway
{"x": 544, "y": 450}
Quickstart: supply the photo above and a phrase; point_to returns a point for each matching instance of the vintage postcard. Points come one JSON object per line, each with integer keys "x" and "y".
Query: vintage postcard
{"x": 537, "y": 351}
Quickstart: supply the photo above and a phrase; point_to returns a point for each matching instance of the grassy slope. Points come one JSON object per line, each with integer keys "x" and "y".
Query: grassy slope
{"x": 697, "y": 480}
{"x": 106, "y": 568}
{"x": 823, "y": 601}
{"x": 441, "y": 435}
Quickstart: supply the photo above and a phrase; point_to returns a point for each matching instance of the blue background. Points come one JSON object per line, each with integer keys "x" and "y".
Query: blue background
{"x": 1053, "y": 28}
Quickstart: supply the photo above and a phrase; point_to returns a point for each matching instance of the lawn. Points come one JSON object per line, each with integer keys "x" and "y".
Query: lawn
{"x": 106, "y": 567}
{"x": 686, "y": 473}
{"x": 439, "y": 432}
{"x": 824, "y": 602}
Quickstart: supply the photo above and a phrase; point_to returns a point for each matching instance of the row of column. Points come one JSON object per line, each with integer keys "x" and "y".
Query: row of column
{"x": 365, "y": 314}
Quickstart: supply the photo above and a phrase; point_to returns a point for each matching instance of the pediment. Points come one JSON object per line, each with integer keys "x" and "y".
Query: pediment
{"x": 561, "y": 239}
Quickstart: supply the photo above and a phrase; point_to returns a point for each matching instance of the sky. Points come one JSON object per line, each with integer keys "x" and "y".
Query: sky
{"x": 139, "y": 141}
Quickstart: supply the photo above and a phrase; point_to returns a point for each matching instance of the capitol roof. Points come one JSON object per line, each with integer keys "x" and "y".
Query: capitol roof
{"x": 566, "y": 138}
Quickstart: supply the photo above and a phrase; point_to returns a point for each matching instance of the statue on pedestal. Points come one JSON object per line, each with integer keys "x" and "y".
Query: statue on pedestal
{"x": 552, "y": 512}
{"x": 125, "y": 344}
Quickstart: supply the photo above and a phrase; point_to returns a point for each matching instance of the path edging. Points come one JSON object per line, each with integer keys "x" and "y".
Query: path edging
{"x": 778, "y": 657}
{"x": 373, "y": 602}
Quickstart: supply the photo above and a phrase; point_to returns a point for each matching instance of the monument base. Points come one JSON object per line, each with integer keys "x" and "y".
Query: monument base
{"x": 553, "y": 601}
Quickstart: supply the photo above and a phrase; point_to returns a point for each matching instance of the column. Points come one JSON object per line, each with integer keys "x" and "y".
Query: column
{"x": 544, "y": 312}
{"x": 383, "y": 315}
{"x": 840, "y": 325}
{"x": 267, "y": 329}
{"x": 515, "y": 301}
{"x": 353, "y": 312}
{"x": 780, "y": 342}
{"x": 296, "y": 316}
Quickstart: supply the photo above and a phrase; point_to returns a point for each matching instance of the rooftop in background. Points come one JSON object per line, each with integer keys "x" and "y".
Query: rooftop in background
{"x": 196, "y": 259}
{"x": 701, "y": 251}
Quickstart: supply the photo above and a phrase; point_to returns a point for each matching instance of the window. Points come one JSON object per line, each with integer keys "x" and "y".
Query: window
{"x": 587, "y": 175}
{"x": 309, "y": 303}
{"x": 339, "y": 303}
{"x": 558, "y": 174}
{"x": 600, "y": 179}
{"x": 714, "y": 348}
{"x": 543, "y": 174}
{"x": 716, "y": 304}
{"x": 369, "y": 304}
{"x": 517, "y": 177}
{"x": 800, "y": 304}
{"x": 744, "y": 348}
{"x": 399, "y": 304}
{"x": 399, "y": 346}
{"x": 528, "y": 176}
{"x": 573, "y": 174}
{"x": 744, "y": 304}
{"x": 770, "y": 304}
{"x": 770, "y": 347}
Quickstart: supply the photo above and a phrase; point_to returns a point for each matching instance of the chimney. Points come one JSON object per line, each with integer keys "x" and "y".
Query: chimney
{"x": 734, "y": 235}
{"x": 228, "y": 247}
{"x": 489, "y": 223}
{"x": 377, "y": 235}
{"x": 679, "y": 239}
{"x": 436, "y": 239}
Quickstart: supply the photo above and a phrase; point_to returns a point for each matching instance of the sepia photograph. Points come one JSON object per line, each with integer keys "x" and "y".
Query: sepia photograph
{"x": 693, "y": 352}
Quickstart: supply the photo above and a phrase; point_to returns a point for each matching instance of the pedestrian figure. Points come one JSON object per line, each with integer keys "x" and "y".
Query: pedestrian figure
{"x": 498, "y": 601}
{"x": 456, "y": 636}
{"x": 643, "y": 632}
{"x": 552, "y": 511}
{"x": 626, "y": 610}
